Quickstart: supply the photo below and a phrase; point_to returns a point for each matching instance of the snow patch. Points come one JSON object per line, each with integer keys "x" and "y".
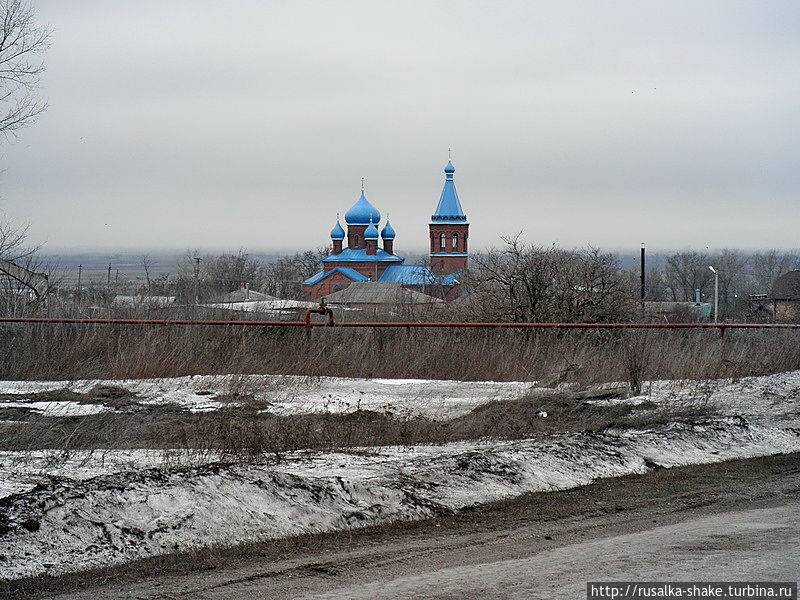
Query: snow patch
{"x": 67, "y": 525}
{"x": 292, "y": 394}
{"x": 57, "y": 408}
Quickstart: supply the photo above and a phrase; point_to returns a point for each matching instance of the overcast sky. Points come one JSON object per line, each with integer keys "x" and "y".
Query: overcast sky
{"x": 249, "y": 123}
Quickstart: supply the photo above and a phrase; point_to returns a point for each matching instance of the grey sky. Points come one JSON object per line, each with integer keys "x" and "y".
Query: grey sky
{"x": 232, "y": 124}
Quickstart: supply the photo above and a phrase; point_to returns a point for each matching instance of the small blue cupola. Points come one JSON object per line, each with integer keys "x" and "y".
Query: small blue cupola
{"x": 387, "y": 233}
{"x": 362, "y": 212}
{"x": 371, "y": 232}
{"x": 337, "y": 233}
{"x": 449, "y": 208}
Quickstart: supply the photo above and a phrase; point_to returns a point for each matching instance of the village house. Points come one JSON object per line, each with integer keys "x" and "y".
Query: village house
{"x": 785, "y": 298}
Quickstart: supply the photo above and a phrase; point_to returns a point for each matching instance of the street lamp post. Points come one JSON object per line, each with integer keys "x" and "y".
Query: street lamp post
{"x": 716, "y": 293}
{"x": 197, "y": 260}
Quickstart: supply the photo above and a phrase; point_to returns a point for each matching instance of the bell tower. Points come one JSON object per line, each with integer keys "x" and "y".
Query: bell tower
{"x": 449, "y": 230}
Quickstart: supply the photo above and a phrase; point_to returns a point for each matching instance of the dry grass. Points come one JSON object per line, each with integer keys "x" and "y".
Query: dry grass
{"x": 243, "y": 431}
{"x": 65, "y": 352}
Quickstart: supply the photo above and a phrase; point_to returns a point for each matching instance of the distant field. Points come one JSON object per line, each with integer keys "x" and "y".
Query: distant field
{"x": 94, "y": 266}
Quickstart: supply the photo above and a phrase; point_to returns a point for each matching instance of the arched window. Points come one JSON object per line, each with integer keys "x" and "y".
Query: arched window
{"x": 442, "y": 242}
{"x": 455, "y": 241}
{"x": 355, "y": 240}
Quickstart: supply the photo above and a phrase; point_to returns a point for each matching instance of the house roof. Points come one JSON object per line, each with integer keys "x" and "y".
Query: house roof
{"x": 786, "y": 287}
{"x": 274, "y": 305}
{"x": 245, "y": 295}
{"x": 449, "y": 209}
{"x": 376, "y": 292}
{"x": 143, "y": 301}
{"x": 360, "y": 255}
{"x": 346, "y": 271}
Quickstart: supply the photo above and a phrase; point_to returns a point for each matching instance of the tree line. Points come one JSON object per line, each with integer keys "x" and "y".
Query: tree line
{"x": 520, "y": 282}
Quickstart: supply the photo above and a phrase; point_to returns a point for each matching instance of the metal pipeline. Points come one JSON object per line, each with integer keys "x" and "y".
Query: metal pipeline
{"x": 330, "y": 322}
{"x": 322, "y": 310}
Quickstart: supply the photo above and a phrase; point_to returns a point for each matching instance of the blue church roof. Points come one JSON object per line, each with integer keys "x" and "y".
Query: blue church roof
{"x": 361, "y": 212}
{"x": 371, "y": 232}
{"x": 388, "y": 232}
{"x": 417, "y": 275}
{"x": 449, "y": 208}
{"x": 337, "y": 233}
{"x": 351, "y": 273}
{"x": 360, "y": 255}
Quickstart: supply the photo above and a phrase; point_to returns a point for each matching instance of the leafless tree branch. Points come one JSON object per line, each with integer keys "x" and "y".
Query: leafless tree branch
{"x": 22, "y": 42}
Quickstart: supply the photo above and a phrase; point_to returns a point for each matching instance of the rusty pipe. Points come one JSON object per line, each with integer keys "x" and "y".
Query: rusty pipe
{"x": 326, "y": 310}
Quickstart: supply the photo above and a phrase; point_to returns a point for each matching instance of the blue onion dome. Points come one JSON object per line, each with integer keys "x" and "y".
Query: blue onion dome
{"x": 388, "y": 232}
{"x": 362, "y": 213}
{"x": 449, "y": 168}
{"x": 337, "y": 233}
{"x": 371, "y": 233}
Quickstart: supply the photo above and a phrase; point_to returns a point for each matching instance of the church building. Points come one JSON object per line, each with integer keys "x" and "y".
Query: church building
{"x": 363, "y": 260}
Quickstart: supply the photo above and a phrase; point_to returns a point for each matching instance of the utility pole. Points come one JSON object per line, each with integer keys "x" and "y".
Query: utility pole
{"x": 108, "y": 279}
{"x": 80, "y": 269}
{"x": 642, "y": 263}
{"x": 197, "y": 260}
{"x": 716, "y": 293}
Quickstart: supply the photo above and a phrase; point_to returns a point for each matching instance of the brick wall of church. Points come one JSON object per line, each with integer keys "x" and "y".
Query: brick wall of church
{"x": 444, "y": 265}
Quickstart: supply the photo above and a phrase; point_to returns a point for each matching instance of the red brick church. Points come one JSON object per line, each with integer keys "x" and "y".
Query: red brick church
{"x": 364, "y": 260}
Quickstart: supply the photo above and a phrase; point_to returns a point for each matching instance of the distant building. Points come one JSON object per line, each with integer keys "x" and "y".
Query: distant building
{"x": 785, "y": 298}
{"x": 245, "y": 294}
{"x": 143, "y": 301}
{"x": 759, "y": 308}
{"x": 363, "y": 260}
{"x": 678, "y": 312}
{"x": 378, "y": 294}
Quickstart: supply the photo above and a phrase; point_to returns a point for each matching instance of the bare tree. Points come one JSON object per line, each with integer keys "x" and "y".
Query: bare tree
{"x": 147, "y": 263}
{"x": 23, "y": 285}
{"x": 686, "y": 272}
{"x": 216, "y": 275}
{"x": 13, "y": 242}
{"x": 733, "y": 281}
{"x": 22, "y": 42}
{"x": 520, "y": 283}
{"x": 285, "y": 276}
{"x": 768, "y": 265}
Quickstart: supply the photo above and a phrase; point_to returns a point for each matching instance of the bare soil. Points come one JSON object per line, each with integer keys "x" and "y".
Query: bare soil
{"x": 243, "y": 431}
{"x": 691, "y": 508}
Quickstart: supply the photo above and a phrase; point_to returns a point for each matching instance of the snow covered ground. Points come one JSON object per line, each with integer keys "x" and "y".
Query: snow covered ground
{"x": 67, "y": 525}
{"x": 296, "y": 394}
{"x": 770, "y": 396}
{"x": 23, "y": 471}
{"x": 90, "y": 510}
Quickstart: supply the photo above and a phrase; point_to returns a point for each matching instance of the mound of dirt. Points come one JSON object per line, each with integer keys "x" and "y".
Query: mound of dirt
{"x": 536, "y": 414}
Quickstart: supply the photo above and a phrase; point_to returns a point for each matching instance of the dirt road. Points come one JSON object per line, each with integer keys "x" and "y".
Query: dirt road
{"x": 732, "y": 521}
{"x": 756, "y": 545}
